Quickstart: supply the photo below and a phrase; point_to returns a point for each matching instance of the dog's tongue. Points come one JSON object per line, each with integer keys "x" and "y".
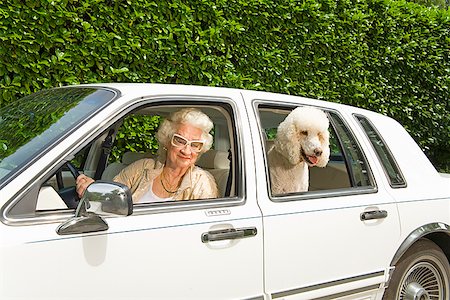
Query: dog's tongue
{"x": 313, "y": 159}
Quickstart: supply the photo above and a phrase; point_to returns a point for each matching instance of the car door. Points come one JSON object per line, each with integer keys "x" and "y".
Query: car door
{"x": 185, "y": 250}
{"x": 335, "y": 240}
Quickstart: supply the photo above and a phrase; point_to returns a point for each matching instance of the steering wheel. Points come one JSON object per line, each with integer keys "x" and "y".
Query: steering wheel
{"x": 69, "y": 194}
{"x": 75, "y": 173}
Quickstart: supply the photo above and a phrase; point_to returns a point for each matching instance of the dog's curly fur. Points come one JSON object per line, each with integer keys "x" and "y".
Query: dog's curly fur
{"x": 302, "y": 141}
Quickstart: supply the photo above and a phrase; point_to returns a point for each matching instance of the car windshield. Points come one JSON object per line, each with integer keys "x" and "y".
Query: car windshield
{"x": 30, "y": 125}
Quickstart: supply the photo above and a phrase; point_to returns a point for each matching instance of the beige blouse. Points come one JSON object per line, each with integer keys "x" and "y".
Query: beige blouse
{"x": 196, "y": 183}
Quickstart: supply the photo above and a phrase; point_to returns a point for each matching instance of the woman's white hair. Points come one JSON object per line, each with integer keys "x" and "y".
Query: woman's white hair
{"x": 190, "y": 116}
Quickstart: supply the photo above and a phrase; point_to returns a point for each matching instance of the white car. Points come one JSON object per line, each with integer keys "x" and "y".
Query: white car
{"x": 375, "y": 222}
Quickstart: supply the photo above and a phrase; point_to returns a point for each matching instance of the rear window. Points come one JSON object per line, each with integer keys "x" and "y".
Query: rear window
{"x": 390, "y": 166}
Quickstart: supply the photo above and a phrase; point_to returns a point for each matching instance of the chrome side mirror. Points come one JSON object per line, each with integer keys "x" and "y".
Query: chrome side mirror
{"x": 106, "y": 198}
{"x": 100, "y": 199}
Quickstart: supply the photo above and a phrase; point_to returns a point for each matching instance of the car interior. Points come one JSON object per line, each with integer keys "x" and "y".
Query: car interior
{"x": 333, "y": 176}
{"x": 92, "y": 162}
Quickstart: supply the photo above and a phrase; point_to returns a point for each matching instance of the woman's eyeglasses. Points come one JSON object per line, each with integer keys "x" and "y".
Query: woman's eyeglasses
{"x": 181, "y": 142}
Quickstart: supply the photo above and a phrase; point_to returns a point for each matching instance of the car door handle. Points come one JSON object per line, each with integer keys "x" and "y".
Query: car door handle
{"x": 374, "y": 214}
{"x": 228, "y": 234}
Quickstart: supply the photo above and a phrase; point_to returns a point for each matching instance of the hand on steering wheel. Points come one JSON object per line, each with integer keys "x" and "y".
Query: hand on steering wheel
{"x": 73, "y": 170}
{"x": 82, "y": 183}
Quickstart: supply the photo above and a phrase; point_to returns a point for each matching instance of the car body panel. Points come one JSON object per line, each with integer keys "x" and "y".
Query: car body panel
{"x": 303, "y": 246}
{"x": 146, "y": 252}
{"x": 327, "y": 231}
{"x": 144, "y": 247}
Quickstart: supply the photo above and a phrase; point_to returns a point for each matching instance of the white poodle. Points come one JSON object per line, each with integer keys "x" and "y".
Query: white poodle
{"x": 302, "y": 140}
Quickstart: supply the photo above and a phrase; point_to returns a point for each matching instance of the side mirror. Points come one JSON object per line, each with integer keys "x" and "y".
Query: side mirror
{"x": 106, "y": 198}
{"x": 100, "y": 199}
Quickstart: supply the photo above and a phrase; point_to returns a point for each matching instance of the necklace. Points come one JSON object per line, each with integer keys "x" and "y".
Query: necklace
{"x": 164, "y": 187}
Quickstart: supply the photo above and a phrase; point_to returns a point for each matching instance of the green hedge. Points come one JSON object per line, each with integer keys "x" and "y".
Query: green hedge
{"x": 387, "y": 56}
{"x": 137, "y": 134}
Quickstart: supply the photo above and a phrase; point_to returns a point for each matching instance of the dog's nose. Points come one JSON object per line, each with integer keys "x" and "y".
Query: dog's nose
{"x": 318, "y": 152}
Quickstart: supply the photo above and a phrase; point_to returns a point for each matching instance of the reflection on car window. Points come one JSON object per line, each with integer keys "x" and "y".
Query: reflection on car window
{"x": 347, "y": 166}
{"x": 30, "y": 125}
{"x": 388, "y": 162}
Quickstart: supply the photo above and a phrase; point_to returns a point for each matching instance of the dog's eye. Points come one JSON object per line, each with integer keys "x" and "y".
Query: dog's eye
{"x": 304, "y": 132}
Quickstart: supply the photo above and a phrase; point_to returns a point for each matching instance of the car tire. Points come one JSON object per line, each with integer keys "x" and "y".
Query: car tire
{"x": 423, "y": 272}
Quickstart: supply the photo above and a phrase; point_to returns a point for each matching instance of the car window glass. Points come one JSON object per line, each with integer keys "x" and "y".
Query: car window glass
{"x": 29, "y": 126}
{"x": 346, "y": 167}
{"x": 358, "y": 167}
{"x": 385, "y": 156}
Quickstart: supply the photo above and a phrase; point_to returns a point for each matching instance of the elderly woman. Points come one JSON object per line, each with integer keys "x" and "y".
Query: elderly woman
{"x": 183, "y": 137}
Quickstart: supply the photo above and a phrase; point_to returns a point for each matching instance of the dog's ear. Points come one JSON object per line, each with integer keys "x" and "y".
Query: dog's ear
{"x": 287, "y": 142}
{"x": 324, "y": 158}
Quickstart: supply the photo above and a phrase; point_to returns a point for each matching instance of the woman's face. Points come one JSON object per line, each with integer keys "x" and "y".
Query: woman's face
{"x": 183, "y": 157}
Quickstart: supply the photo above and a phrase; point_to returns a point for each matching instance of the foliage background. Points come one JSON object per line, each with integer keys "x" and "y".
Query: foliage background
{"x": 387, "y": 56}
{"x": 137, "y": 134}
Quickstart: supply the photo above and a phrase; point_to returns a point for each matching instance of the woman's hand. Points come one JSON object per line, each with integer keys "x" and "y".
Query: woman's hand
{"x": 82, "y": 183}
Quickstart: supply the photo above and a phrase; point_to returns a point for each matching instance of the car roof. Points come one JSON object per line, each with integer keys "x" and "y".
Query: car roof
{"x": 137, "y": 90}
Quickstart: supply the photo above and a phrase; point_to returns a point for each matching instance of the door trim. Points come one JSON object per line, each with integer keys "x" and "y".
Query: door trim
{"x": 334, "y": 283}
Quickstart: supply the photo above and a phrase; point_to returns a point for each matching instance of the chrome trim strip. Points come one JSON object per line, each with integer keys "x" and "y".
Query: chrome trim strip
{"x": 351, "y": 292}
{"x": 417, "y": 234}
{"x": 351, "y": 191}
{"x": 255, "y": 298}
{"x": 331, "y": 284}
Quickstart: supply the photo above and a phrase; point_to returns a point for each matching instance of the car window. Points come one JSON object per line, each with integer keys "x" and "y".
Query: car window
{"x": 31, "y": 125}
{"x": 131, "y": 144}
{"x": 347, "y": 167}
{"x": 390, "y": 166}
{"x": 359, "y": 172}
{"x": 132, "y": 137}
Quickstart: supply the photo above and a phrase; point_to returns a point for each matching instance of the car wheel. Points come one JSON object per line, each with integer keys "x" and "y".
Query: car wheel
{"x": 422, "y": 273}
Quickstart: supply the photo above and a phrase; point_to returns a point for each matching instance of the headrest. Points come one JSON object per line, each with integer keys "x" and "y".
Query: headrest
{"x": 131, "y": 157}
{"x": 214, "y": 159}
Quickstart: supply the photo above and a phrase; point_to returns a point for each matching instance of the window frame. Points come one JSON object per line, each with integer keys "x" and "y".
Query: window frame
{"x": 387, "y": 153}
{"x": 353, "y": 190}
{"x": 30, "y": 194}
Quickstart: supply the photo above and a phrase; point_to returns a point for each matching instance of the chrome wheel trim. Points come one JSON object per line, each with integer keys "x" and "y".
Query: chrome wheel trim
{"x": 422, "y": 282}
